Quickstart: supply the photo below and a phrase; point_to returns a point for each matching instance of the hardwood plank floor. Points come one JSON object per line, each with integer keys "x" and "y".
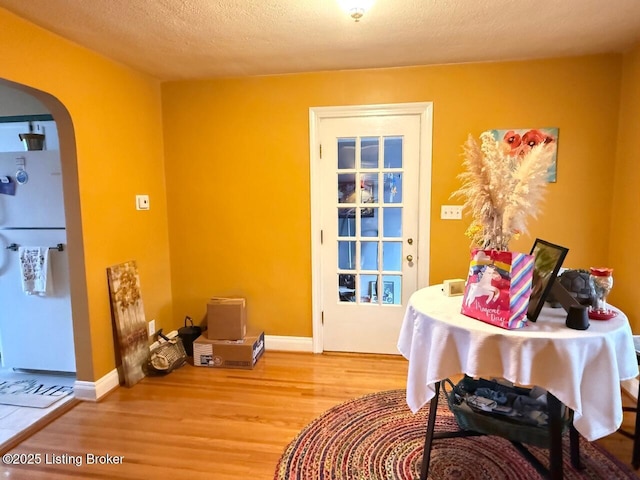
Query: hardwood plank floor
{"x": 199, "y": 423}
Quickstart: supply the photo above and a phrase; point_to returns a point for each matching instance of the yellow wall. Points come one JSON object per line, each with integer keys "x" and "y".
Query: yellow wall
{"x": 116, "y": 122}
{"x": 237, "y": 163}
{"x": 625, "y": 221}
{"x": 237, "y": 172}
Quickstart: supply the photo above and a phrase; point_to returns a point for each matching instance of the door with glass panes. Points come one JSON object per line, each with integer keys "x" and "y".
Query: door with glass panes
{"x": 370, "y": 177}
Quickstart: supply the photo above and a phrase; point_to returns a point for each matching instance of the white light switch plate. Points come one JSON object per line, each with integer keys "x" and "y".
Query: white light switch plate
{"x": 142, "y": 202}
{"x": 451, "y": 212}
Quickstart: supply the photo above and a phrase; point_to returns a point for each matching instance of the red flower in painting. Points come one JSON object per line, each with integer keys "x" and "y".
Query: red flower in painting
{"x": 535, "y": 137}
{"x": 513, "y": 139}
{"x": 521, "y": 145}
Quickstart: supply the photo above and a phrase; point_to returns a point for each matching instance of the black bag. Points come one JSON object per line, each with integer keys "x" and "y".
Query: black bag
{"x": 188, "y": 334}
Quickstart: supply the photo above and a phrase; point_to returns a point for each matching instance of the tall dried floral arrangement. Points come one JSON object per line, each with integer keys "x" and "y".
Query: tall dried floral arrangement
{"x": 501, "y": 190}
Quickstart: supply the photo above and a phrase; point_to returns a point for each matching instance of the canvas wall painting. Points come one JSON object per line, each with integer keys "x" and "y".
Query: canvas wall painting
{"x": 518, "y": 141}
{"x": 129, "y": 319}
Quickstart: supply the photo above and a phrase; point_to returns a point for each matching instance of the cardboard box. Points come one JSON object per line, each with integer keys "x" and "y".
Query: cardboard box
{"x": 226, "y": 319}
{"x": 228, "y": 353}
{"x": 453, "y": 287}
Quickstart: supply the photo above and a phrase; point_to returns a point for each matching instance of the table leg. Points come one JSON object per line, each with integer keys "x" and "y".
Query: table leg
{"x": 555, "y": 434}
{"x": 574, "y": 443}
{"x": 635, "y": 458}
{"x": 426, "y": 453}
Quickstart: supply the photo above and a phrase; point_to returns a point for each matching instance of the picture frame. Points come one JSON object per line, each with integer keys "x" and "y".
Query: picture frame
{"x": 388, "y": 292}
{"x": 373, "y": 291}
{"x": 547, "y": 263}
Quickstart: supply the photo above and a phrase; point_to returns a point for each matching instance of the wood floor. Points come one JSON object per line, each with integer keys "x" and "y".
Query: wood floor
{"x": 199, "y": 423}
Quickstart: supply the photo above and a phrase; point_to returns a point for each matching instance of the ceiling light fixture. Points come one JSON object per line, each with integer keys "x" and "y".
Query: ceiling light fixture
{"x": 356, "y": 13}
{"x": 356, "y": 8}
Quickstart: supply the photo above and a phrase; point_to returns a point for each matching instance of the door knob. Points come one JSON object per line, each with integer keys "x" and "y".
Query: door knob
{"x": 409, "y": 258}
{"x": 410, "y": 241}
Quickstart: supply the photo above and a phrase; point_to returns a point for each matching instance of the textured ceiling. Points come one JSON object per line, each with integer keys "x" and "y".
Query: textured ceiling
{"x": 190, "y": 39}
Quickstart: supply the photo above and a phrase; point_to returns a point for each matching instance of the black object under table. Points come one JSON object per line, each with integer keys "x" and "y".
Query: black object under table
{"x": 555, "y": 428}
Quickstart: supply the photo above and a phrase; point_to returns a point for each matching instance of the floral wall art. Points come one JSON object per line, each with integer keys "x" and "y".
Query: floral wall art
{"x": 500, "y": 189}
{"x": 517, "y": 142}
{"x": 129, "y": 318}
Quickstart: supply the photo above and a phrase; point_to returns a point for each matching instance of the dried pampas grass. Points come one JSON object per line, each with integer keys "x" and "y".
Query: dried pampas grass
{"x": 501, "y": 191}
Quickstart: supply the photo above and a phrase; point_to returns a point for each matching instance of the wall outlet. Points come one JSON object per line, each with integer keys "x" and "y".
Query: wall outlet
{"x": 451, "y": 212}
{"x": 152, "y": 327}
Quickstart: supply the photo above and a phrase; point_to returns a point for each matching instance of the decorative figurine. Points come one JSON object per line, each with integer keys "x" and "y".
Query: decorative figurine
{"x": 602, "y": 281}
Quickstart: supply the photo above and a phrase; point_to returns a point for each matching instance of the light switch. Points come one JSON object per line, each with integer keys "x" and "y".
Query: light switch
{"x": 451, "y": 212}
{"x": 142, "y": 202}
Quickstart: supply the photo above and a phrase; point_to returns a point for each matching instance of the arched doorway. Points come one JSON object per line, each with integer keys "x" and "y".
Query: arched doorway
{"x": 74, "y": 238}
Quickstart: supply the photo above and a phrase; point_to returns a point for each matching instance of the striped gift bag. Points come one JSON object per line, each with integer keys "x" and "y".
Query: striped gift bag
{"x": 498, "y": 288}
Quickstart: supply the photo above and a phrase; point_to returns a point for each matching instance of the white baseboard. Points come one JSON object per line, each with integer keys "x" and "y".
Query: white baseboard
{"x": 288, "y": 344}
{"x": 94, "y": 391}
{"x": 631, "y": 387}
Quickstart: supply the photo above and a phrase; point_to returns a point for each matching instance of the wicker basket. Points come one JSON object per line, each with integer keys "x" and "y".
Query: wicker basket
{"x": 167, "y": 356}
{"x": 511, "y": 428}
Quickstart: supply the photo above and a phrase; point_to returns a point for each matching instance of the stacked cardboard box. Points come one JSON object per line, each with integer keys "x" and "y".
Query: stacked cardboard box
{"x": 225, "y": 343}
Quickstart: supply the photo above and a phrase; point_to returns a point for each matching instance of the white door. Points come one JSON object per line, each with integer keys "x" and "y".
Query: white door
{"x": 371, "y": 247}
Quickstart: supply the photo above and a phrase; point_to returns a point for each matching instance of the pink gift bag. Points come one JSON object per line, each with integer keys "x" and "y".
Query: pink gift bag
{"x": 498, "y": 288}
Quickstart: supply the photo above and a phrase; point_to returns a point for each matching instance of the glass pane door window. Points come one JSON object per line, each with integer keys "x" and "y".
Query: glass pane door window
{"x": 369, "y": 212}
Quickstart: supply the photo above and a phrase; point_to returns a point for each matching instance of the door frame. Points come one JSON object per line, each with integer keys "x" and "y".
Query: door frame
{"x": 316, "y": 115}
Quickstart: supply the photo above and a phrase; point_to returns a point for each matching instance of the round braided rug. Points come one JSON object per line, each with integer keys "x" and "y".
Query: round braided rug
{"x": 376, "y": 437}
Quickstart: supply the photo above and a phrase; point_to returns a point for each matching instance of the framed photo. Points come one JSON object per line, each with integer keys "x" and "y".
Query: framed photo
{"x": 373, "y": 292}
{"x": 547, "y": 263}
{"x": 388, "y": 292}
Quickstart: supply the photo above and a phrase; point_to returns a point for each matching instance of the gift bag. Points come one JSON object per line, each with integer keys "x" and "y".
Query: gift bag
{"x": 498, "y": 288}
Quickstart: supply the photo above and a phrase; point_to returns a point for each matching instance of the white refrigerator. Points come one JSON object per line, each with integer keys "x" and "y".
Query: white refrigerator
{"x": 36, "y": 332}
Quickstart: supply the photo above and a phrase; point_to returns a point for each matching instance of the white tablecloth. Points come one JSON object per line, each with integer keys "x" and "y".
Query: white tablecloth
{"x": 582, "y": 368}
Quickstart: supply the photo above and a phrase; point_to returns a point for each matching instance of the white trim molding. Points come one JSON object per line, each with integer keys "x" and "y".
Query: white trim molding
{"x": 94, "y": 391}
{"x": 288, "y": 344}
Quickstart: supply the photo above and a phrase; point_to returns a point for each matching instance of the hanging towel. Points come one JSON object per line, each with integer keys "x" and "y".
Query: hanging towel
{"x": 34, "y": 270}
